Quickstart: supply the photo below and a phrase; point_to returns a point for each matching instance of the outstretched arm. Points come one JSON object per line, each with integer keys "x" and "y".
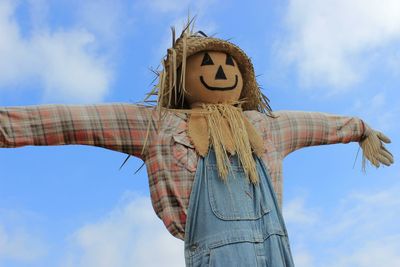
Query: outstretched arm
{"x": 296, "y": 129}
{"x": 120, "y": 127}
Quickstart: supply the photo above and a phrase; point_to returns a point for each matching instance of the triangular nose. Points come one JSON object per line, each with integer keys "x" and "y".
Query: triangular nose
{"x": 220, "y": 74}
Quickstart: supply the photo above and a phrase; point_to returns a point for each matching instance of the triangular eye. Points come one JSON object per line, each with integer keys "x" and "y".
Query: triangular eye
{"x": 207, "y": 60}
{"x": 229, "y": 60}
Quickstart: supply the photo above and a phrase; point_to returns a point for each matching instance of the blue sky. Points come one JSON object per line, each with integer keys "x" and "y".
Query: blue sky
{"x": 71, "y": 206}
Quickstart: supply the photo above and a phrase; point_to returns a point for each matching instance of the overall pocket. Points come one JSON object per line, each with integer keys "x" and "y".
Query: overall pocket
{"x": 236, "y": 198}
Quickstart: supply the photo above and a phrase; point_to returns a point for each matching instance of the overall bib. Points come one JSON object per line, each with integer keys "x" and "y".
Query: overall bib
{"x": 234, "y": 223}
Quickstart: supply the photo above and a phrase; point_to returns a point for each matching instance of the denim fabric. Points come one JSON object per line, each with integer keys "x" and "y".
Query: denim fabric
{"x": 234, "y": 223}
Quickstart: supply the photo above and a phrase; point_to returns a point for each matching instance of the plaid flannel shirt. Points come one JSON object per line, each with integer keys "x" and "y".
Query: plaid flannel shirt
{"x": 169, "y": 155}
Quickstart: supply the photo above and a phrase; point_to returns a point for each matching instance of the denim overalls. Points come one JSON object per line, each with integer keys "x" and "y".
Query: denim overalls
{"x": 234, "y": 223}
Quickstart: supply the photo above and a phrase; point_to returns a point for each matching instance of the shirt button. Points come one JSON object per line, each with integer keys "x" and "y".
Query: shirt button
{"x": 193, "y": 247}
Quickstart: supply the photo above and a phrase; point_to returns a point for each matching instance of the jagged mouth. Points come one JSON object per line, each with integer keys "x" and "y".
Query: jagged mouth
{"x": 213, "y": 88}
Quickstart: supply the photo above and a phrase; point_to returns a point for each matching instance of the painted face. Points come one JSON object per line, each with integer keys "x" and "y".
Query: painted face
{"x": 212, "y": 77}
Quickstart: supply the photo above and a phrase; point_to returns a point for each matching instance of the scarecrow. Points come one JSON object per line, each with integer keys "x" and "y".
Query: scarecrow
{"x": 212, "y": 146}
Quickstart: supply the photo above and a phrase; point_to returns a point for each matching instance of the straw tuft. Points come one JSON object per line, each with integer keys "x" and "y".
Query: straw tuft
{"x": 242, "y": 147}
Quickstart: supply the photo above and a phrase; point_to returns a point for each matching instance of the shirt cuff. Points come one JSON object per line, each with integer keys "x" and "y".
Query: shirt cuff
{"x": 366, "y": 130}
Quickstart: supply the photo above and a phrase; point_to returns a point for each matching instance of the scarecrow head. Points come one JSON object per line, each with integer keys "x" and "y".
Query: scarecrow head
{"x": 204, "y": 70}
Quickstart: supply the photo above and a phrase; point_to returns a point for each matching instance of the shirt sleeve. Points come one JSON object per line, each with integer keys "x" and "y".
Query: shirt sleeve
{"x": 120, "y": 127}
{"x": 296, "y": 129}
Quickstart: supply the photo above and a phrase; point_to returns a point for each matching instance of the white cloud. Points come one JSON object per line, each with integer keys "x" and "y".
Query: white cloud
{"x": 303, "y": 258}
{"x": 295, "y": 212}
{"x": 18, "y": 245}
{"x": 332, "y": 42}
{"x": 131, "y": 235}
{"x": 362, "y": 231}
{"x": 384, "y": 252}
{"x": 114, "y": 20}
{"x": 64, "y": 62}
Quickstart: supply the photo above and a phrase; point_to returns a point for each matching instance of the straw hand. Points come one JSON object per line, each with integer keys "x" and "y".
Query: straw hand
{"x": 374, "y": 149}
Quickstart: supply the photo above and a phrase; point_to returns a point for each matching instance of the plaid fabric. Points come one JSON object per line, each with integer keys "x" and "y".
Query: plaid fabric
{"x": 169, "y": 155}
